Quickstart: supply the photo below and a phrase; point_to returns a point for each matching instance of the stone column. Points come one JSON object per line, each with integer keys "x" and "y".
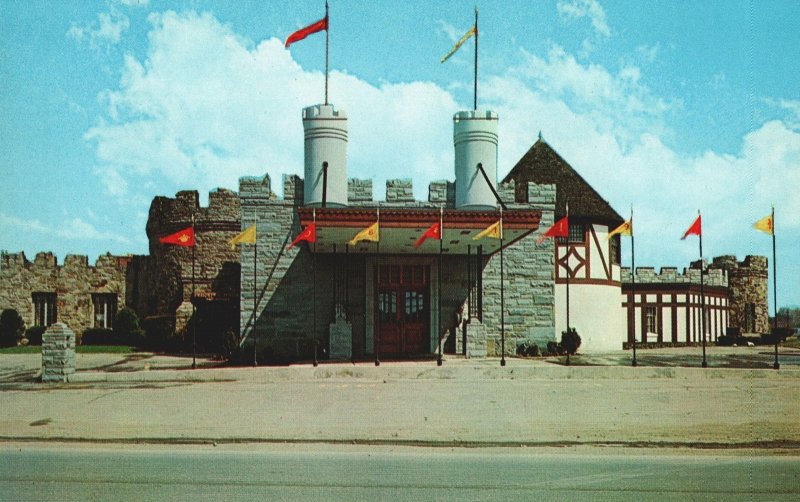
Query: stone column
{"x": 58, "y": 353}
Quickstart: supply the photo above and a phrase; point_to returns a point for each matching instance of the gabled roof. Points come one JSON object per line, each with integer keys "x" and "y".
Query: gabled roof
{"x": 542, "y": 165}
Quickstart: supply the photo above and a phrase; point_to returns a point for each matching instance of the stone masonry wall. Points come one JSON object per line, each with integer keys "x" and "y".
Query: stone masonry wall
{"x": 74, "y": 282}
{"x": 748, "y": 282}
{"x": 529, "y": 292}
{"x": 168, "y": 278}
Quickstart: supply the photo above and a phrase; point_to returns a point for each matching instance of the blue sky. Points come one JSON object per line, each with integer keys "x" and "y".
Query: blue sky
{"x": 666, "y": 106}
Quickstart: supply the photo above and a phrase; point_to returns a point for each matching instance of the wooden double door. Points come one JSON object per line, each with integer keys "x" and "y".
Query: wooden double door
{"x": 403, "y": 307}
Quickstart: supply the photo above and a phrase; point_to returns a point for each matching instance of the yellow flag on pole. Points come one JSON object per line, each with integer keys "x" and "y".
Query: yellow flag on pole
{"x": 624, "y": 229}
{"x": 494, "y": 231}
{"x": 466, "y": 36}
{"x": 248, "y": 236}
{"x": 371, "y": 233}
{"x": 765, "y": 224}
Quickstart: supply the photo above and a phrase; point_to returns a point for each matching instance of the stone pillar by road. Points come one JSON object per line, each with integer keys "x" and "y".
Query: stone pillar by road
{"x": 58, "y": 353}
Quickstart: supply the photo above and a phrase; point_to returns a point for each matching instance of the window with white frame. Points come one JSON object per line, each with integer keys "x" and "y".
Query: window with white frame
{"x": 44, "y": 308}
{"x": 105, "y": 308}
{"x": 650, "y": 317}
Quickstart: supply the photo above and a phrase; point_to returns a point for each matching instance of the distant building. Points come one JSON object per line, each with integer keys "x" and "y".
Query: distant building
{"x": 667, "y": 306}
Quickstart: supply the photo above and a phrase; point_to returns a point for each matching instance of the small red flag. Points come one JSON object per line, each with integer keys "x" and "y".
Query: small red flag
{"x": 559, "y": 229}
{"x": 302, "y": 33}
{"x": 434, "y": 232}
{"x": 309, "y": 234}
{"x": 183, "y": 238}
{"x": 695, "y": 229}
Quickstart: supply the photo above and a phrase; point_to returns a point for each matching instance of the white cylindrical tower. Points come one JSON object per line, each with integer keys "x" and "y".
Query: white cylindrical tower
{"x": 326, "y": 142}
{"x": 475, "y": 140}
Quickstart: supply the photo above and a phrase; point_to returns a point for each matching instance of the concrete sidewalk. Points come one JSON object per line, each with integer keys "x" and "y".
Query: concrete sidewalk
{"x": 472, "y": 402}
{"x": 653, "y": 363}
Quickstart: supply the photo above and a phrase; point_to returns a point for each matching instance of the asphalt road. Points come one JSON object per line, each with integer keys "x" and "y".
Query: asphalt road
{"x": 61, "y": 472}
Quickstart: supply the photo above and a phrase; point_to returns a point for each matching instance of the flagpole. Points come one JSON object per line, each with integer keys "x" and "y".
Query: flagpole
{"x": 775, "y": 291}
{"x": 194, "y": 316}
{"x": 502, "y": 299}
{"x": 469, "y": 301}
{"x": 378, "y": 330}
{"x": 702, "y": 298}
{"x": 314, "y": 299}
{"x": 633, "y": 290}
{"x": 475, "y": 82}
{"x": 568, "y": 272}
{"x": 255, "y": 300}
{"x": 327, "y": 29}
{"x": 439, "y": 286}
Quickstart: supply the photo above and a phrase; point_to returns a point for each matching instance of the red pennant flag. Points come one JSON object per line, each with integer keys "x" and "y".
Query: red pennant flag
{"x": 559, "y": 229}
{"x": 309, "y": 234}
{"x": 302, "y": 33}
{"x": 695, "y": 229}
{"x": 183, "y": 238}
{"x": 434, "y": 232}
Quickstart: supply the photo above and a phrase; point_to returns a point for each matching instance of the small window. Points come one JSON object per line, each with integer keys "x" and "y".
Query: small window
{"x": 576, "y": 234}
{"x": 749, "y": 318}
{"x": 650, "y": 319}
{"x": 44, "y": 309}
{"x": 105, "y": 309}
{"x": 616, "y": 257}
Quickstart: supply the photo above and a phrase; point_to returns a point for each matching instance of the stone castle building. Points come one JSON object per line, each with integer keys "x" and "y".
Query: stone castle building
{"x": 665, "y": 308}
{"x": 388, "y": 294}
{"x": 75, "y": 293}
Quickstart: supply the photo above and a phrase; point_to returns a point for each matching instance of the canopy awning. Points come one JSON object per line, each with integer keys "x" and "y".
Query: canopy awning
{"x": 401, "y": 227}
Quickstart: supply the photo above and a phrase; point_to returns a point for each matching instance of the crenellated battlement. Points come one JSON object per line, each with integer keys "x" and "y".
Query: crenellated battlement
{"x": 168, "y": 214}
{"x": 12, "y": 263}
{"x": 399, "y": 192}
{"x": 670, "y": 275}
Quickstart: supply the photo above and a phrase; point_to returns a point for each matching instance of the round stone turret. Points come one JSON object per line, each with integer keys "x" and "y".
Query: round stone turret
{"x": 475, "y": 141}
{"x": 325, "y": 144}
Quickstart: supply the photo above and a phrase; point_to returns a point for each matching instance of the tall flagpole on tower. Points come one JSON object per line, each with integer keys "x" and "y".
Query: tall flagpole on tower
{"x": 327, "y": 30}
{"x": 475, "y": 82}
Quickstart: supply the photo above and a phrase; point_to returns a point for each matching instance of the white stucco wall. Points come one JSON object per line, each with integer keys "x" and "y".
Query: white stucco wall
{"x": 595, "y": 313}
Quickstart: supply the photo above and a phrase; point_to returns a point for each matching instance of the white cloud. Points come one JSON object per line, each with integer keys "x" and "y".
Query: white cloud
{"x": 792, "y": 107}
{"x": 204, "y": 109}
{"x": 104, "y": 32}
{"x": 73, "y": 228}
{"x": 135, "y": 3}
{"x": 591, "y": 9}
{"x": 648, "y": 53}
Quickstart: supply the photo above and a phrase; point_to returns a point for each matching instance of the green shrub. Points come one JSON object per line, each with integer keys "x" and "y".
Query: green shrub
{"x": 553, "y": 349}
{"x": 127, "y": 330}
{"x": 528, "y": 349}
{"x": 12, "y": 328}
{"x": 125, "y": 322}
{"x": 34, "y": 334}
{"x": 100, "y": 336}
{"x": 570, "y": 341}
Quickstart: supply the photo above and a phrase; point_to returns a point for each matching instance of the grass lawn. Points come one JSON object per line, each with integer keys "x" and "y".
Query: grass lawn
{"x": 80, "y": 349}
